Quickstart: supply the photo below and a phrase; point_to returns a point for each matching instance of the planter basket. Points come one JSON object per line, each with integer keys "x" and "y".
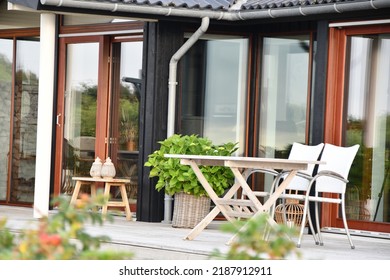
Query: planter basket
{"x": 293, "y": 210}
{"x": 189, "y": 210}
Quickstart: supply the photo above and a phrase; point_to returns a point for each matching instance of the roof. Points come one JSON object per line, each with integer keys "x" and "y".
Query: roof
{"x": 189, "y": 4}
{"x": 231, "y": 4}
{"x": 230, "y": 10}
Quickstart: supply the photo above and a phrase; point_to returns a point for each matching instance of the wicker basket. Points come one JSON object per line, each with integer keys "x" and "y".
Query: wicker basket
{"x": 293, "y": 210}
{"x": 189, "y": 210}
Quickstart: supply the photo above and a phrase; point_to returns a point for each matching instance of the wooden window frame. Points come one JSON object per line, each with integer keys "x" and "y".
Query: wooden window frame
{"x": 336, "y": 109}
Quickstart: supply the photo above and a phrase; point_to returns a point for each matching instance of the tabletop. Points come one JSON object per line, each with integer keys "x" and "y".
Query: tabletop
{"x": 104, "y": 180}
{"x": 246, "y": 162}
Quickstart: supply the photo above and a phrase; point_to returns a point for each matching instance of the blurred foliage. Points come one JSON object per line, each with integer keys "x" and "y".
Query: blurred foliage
{"x": 61, "y": 236}
{"x": 5, "y": 69}
{"x": 259, "y": 241}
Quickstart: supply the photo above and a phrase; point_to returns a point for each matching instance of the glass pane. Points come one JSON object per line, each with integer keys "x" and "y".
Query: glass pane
{"x": 214, "y": 90}
{"x": 5, "y": 112}
{"x": 368, "y": 124}
{"x": 284, "y": 92}
{"x": 80, "y": 111}
{"x": 25, "y": 121}
{"x": 126, "y": 93}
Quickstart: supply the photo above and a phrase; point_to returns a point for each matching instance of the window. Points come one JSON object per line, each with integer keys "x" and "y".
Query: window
{"x": 214, "y": 89}
{"x": 284, "y": 94}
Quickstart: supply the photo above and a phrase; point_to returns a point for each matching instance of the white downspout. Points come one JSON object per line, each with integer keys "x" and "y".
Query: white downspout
{"x": 172, "y": 82}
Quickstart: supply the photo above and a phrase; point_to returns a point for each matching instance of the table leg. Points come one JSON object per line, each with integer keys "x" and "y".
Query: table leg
{"x": 125, "y": 201}
{"x": 245, "y": 187}
{"x": 93, "y": 190}
{"x": 209, "y": 218}
{"x": 93, "y": 195}
{"x": 270, "y": 201}
{"x": 213, "y": 196}
{"x": 279, "y": 190}
{"x": 76, "y": 191}
{"x": 202, "y": 224}
{"x": 107, "y": 187}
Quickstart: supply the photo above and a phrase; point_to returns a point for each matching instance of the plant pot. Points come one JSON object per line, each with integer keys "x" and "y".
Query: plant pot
{"x": 189, "y": 210}
{"x": 131, "y": 146}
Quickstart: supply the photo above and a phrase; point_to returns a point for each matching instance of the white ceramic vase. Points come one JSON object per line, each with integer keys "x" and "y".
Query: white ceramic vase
{"x": 96, "y": 167}
{"x": 108, "y": 169}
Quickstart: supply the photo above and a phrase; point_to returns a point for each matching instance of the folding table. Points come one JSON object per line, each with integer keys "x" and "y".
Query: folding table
{"x": 240, "y": 166}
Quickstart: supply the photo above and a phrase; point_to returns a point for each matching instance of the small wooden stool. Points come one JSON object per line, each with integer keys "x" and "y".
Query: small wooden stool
{"x": 108, "y": 183}
{"x": 124, "y": 203}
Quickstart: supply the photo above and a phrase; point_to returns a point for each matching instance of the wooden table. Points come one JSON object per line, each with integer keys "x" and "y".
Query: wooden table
{"x": 108, "y": 183}
{"x": 240, "y": 166}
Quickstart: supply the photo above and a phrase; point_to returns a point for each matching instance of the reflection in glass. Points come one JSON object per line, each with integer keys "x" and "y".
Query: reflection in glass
{"x": 126, "y": 94}
{"x": 80, "y": 111}
{"x": 25, "y": 121}
{"x": 284, "y": 91}
{"x": 214, "y": 89}
{"x": 283, "y": 98}
{"x": 368, "y": 124}
{"x": 5, "y": 112}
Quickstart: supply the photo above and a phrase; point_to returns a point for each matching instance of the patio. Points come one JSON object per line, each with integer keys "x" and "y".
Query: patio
{"x": 160, "y": 241}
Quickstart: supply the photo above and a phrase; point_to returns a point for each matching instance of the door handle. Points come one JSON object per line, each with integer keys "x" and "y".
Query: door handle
{"x": 58, "y": 119}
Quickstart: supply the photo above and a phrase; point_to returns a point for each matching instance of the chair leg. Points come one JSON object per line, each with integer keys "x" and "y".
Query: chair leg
{"x": 303, "y": 223}
{"x": 321, "y": 242}
{"x": 311, "y": 226}
{"x": 345, "y": 223}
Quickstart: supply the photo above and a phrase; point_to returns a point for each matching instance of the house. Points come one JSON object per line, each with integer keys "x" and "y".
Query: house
{"x": 117, "y": 76}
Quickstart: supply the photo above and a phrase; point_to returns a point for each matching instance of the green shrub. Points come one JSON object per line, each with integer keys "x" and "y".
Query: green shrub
{"x": 175, "y": 177}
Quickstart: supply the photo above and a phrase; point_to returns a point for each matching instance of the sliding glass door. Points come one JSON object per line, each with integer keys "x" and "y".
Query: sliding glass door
{"x": 368, "y": 123}
{"x": 80, "y": 110}
{"x": 19, "y": 78}
{"x": 284, "y": 97}
{"x": 283, "y": 109}
{"x": 358, "y": 110}
{"x": 98, "y": 108}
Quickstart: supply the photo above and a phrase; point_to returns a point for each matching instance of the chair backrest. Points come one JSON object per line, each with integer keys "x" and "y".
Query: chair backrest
{"x": 304, "y": 152}
{"x": 337, "y": 159}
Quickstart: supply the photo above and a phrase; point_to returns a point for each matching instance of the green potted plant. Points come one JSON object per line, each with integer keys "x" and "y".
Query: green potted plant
{"x": 180, "y": 180}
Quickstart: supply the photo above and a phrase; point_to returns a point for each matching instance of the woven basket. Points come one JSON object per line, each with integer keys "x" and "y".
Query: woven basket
{"x": 189, "y": 210}
{"x": 293, "y": 210}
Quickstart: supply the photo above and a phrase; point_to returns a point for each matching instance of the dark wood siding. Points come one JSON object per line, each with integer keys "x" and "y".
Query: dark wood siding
{"x": 161, "y": 41}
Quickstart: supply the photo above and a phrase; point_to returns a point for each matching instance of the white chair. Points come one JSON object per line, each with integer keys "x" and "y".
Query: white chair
{"x": 297, "y": 188}
{"x": 301, "y": 182}
{"x": 331, "y": 178}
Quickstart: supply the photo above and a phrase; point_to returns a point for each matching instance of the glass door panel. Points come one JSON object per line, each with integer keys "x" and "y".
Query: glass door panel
{"x": 284, "y": 96}
{"x": 80, "y": 109}
{"x": 6, "y": 53}
{"x": 125, "y": 101}
{"x": 214, "y": 89}
{"x": 25, "y": 111}
{"x": 284, "y": 91}
{"x": 368, "y": 124}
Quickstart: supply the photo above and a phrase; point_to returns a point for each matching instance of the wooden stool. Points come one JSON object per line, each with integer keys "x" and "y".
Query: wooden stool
{"x": 108, "y": 183}
{"x": 123, "y": 203}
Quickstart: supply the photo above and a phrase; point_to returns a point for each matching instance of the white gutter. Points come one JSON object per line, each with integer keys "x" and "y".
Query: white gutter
{"x": 172, "y": 82}
{"x": 228, "y": 15}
